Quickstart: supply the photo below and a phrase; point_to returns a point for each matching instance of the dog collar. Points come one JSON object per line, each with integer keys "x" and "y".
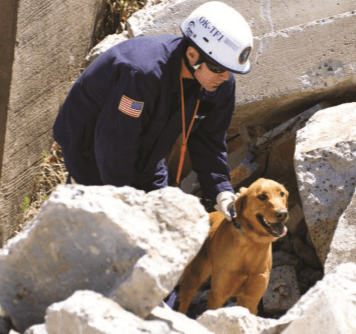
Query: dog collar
{"x": 235, "y": 222}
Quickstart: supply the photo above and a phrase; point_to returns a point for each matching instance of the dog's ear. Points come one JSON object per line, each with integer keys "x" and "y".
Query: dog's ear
{"x": 242, "y": 190}
{"x": 240, "y": 203}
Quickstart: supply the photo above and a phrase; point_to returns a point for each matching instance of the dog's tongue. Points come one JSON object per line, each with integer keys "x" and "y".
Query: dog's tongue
{"x": 279, "y": 229}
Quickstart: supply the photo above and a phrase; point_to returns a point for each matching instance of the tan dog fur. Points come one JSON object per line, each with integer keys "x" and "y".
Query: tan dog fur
{"x": 239, "y": 264}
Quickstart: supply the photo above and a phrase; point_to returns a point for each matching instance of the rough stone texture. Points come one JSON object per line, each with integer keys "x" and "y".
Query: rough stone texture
{"x": 325, "y": 164}
{"x": 343, "y": 244}
{"x": 235, "y": 320}
{"x": 280, "y": 28}
{"x": 281, "y": 258}
{"x": 104, "y": 45}
{"x": 177, "y": 322}
{"x": 282, "y": 291}
{"x": 116, "y": 241}
{"x": 37, "y": 329}
{"x": 307, "y": 277}
{"x": 328, "y": 307}
{"x": 306, "y": 253}
{"x": 49, "y": 41}
{"x": 296, "y": 223}
{"x": 264, "y": 17}
{"x": 90, "y": 312}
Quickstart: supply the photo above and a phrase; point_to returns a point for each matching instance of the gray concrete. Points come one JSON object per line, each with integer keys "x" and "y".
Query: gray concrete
{"x": 42, "y": 49}
{"x": 325, "y": 163}
{"x": 119, "y": 242}
{"x": 343, "y": 244}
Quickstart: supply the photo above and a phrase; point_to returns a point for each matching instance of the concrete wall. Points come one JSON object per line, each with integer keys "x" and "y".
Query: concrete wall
{"x": 45, "y": 55}
{"x": 303, "y": 52}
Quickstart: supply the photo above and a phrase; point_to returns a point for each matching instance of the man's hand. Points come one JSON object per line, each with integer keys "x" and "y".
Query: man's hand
{"x": 224, "y": 202}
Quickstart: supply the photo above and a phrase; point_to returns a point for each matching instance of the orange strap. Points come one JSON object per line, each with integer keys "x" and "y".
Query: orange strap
{"x": 185, "y": 135}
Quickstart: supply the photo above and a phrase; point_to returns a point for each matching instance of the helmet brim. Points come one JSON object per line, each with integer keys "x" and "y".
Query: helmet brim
{"x": 240, "y": 69}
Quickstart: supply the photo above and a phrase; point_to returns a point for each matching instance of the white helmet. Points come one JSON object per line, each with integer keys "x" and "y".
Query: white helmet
{"x": 221, "y": 34}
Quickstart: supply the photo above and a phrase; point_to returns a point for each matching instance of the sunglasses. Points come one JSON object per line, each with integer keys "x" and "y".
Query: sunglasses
{"x": 214, "y": 68}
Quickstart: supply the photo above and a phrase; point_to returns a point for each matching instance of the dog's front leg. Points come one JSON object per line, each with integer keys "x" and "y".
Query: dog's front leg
{"x": 252, "y": 291}
{"x": 223, "y": 285}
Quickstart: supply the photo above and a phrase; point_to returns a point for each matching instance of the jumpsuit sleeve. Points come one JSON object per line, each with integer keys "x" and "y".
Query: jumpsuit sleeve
{"x": 118, "y": 130}
{"x": 99, "y": 141}
{"x": 207, "y": 150}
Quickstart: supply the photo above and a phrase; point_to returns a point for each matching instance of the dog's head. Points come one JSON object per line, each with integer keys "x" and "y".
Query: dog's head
{"x": 263, "y": 207}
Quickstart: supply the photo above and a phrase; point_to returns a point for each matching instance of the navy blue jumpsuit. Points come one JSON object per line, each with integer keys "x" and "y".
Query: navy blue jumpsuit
{"x": 123, "y": 115}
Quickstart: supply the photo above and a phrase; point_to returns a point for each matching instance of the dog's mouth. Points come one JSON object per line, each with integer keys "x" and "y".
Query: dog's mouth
{"x": 275, "y": 229}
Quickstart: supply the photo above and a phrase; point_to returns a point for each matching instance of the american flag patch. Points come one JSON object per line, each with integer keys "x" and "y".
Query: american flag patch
{"x": 130, "y": 107}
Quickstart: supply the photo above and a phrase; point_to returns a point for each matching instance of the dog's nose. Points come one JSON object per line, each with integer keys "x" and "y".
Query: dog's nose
{"x": 282, "y": 213}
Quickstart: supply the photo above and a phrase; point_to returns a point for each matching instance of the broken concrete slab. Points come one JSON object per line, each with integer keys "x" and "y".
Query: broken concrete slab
{"x": 296, "y": 223}
{"x": 119, "y": 242}
{"x": 263, "y": 17}
{"x": 36, "y": 329}
{"x": 235, "y": 320}
{"x": 306, "y": 253}
{"x": 282, "y": 258}
{"x": 343, "y": 244}
{"x": 42, "y": 55}
{"x": 177, "y": 322}
{"x": 324, "y": 69}
{"x": 282, "y": 291}
{"x": 328, "y": 307}
{"x": 90, "y": 312}
{"x": 325, "y": 163}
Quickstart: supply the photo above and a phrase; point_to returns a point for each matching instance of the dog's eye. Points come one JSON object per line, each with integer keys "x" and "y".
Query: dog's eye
{"x": 262, "y": 197}
{"x": 282, "y": 194}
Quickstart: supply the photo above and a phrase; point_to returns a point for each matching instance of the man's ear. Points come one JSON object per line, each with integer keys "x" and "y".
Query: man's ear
{"x": 192, "y": 55}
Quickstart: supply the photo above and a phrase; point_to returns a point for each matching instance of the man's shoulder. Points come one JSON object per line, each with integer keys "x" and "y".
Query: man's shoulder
{"x": 148, "y": 54}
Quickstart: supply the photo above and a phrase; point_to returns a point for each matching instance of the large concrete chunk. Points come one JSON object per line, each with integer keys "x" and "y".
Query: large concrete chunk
{"x": 236, "y": 320}
{"x": 323, "y": 69}
{"x": 116, "y": 241}
{"x": 90, "y": 312}
{"x": 176, "y": 321}
{"x": 41, "y": 55}
{"x": 282, "y": 291}
{"x": 329, "y": 307}
{"x": 343, "y": 244}
{"x": 325, "y": 164}
{"x": 263, "y": 16}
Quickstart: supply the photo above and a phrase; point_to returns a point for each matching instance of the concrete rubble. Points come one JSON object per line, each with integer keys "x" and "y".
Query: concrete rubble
{"x": 119, "y": 242}
{"x": 94, "y": 224}
{"x": 282, "y": 291}
{"x": 102, "y": 259}
{"x": 325, "y": 164}
{"x": 343, "y": 244}
{"x": 328, "y": 307}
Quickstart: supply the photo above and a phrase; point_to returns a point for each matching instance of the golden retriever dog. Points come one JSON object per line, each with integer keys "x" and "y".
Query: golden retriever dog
{"x": 239, "y": 263}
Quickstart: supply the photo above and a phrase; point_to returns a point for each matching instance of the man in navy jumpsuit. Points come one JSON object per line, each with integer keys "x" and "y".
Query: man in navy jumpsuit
{"x": 105, "y": 141}
{"x": 123, "y": 114}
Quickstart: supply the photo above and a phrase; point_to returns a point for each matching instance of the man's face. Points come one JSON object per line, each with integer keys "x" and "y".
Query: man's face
{"x": 210, "y": 80}
{"x": 207, "y": 78}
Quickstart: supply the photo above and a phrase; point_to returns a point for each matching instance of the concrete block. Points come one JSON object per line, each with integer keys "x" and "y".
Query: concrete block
{"x": 90, "y": 312}
{"x": 282, "y": 291}
{"x": 263, "y": 16}
{"x": 343, "y": 244}
{"x": 119, "y": 242}
{"x": 325, "y": 163}
{"x": 41, "y": 52}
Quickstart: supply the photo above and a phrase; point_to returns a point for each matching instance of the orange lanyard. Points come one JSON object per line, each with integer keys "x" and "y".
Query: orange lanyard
{"x": 185, "y": 135}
